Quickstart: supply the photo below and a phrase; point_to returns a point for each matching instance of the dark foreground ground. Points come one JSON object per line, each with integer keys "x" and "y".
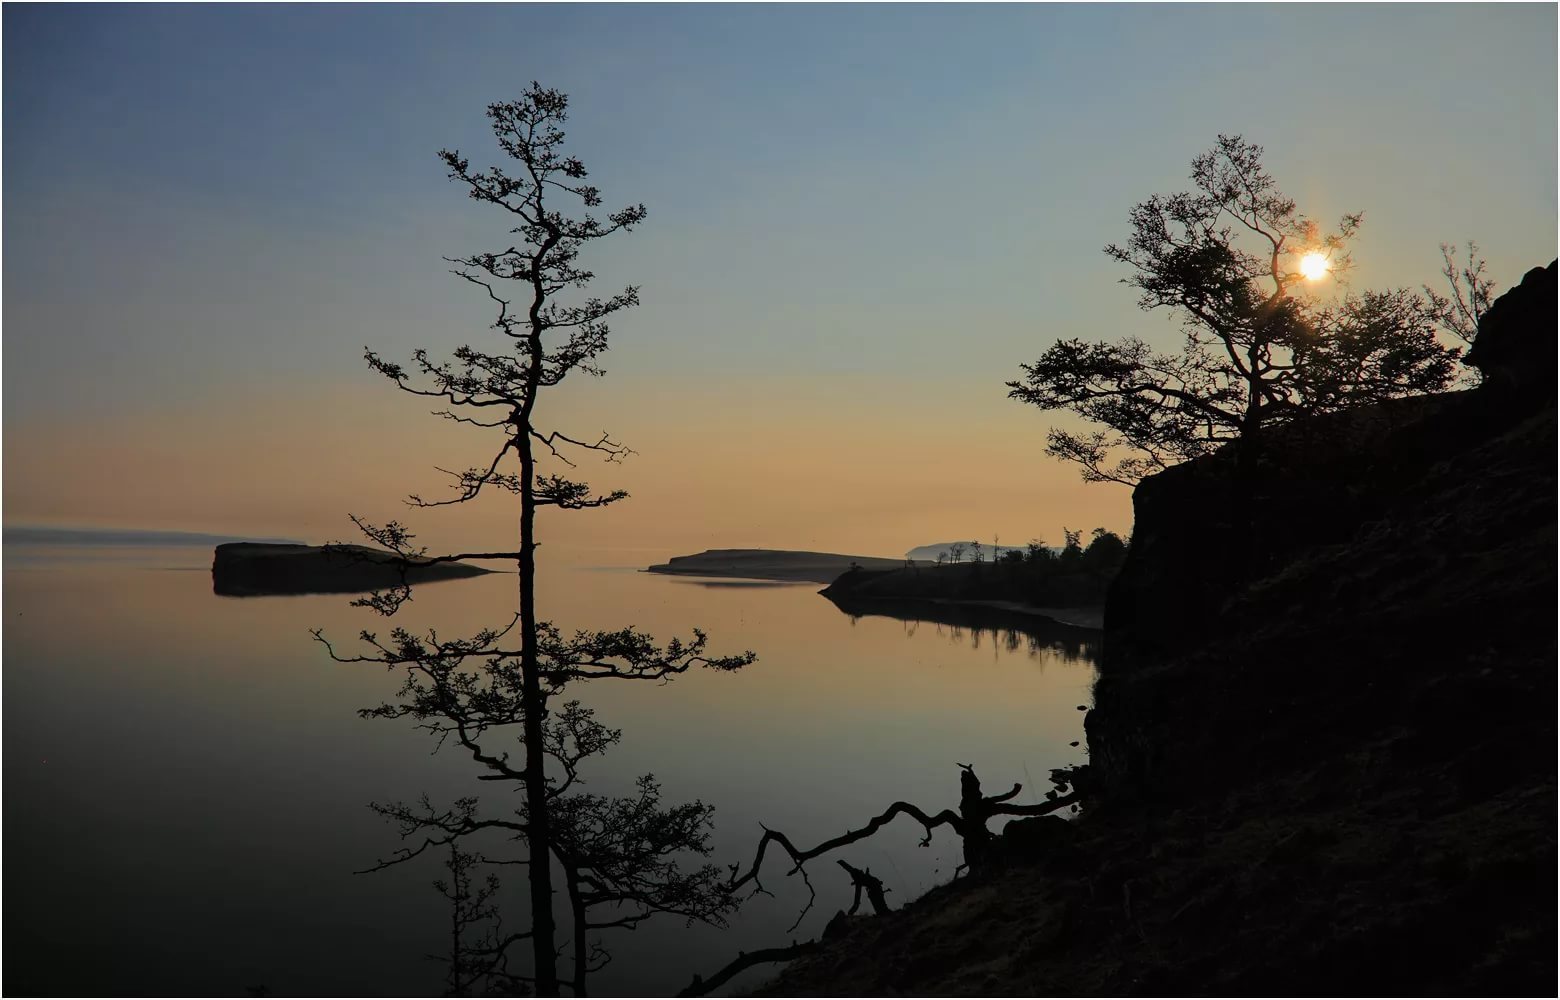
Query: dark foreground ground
{"x": 1323, "y": 742}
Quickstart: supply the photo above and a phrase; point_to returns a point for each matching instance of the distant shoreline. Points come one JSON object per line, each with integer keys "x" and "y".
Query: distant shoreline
{"x": 250, "y": 569}
{"x": 1089, "y": 619}
{"x": 792, "y": 566}
{"x": 771, "y": 564}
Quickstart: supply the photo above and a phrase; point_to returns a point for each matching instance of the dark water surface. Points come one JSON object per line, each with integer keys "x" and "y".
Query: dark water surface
{"x": 186, "y": 780}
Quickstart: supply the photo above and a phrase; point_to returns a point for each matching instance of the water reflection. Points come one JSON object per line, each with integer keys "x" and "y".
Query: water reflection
{"x": 188, "y": 780}
{"x": 724, "y": 584}
{"x": 995, "y": 627}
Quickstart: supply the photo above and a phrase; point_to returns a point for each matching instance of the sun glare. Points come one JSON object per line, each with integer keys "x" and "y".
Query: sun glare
{"x": 1313, "y": 265}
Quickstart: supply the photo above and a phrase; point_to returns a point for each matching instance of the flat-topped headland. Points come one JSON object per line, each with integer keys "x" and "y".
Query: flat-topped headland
{"x": 1013, "y": 592}
{"x": 1018, "y": 593}
{"x": 772, "y": 564}
{"x": 257, "y": 569}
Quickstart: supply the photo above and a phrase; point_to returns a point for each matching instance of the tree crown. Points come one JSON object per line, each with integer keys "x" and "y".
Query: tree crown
{"x": 1225, "y": 258}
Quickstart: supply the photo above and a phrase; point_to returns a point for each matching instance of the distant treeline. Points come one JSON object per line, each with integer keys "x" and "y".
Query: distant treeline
{"x": 1075, "y": 576}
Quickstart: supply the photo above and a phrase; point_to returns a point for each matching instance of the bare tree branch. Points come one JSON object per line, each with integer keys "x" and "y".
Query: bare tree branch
{"x": 746, "y": 960}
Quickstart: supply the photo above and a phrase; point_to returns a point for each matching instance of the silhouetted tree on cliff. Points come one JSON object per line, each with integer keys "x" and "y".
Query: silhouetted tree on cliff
{"x": 1226, "y": 258}
{"x": 1471, "y": 295}
{"x": 1471, "y": 290}
{"x": 479, "y": 693}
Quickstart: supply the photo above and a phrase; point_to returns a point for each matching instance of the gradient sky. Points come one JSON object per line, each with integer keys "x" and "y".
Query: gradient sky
{"x": 862, "y": 220}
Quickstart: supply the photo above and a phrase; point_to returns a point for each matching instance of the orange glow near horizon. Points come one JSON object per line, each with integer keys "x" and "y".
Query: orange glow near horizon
{"x": 747, "y": 480}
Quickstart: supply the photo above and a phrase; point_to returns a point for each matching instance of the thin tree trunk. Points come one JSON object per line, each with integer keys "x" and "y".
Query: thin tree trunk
{"x": 534, "y": 706}
{"x": 578, "y": 906}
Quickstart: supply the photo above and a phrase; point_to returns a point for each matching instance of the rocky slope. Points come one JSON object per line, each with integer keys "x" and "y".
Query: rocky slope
{"x": 1322, "y": 747}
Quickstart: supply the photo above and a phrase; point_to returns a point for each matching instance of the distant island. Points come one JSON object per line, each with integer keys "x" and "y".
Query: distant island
{"x": 1025, "y": 587}
{"x": 771, "y": 564}
{"x": 255, "y": 569}
{"x": 929, "y": 553}
{"x": 1065, "y": 590}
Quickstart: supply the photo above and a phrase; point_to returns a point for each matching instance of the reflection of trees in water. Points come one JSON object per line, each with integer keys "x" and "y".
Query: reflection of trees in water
{"x": 1015, "y": 640}
{"x": 1000, "y": 630}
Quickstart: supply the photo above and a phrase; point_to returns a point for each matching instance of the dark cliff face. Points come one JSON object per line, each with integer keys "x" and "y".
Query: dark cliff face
{"x": 1516, "y": 348}
{"x": 1351, "y": 632}
{"x": 1322, "y": 745}
{"x": 1207, "y": 531}
{"x": 1424, "y": 551}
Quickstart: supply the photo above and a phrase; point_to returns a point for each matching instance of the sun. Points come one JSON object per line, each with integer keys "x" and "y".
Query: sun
{"x": 1313, "y": 265}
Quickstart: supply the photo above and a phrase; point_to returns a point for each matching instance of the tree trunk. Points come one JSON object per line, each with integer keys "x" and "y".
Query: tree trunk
{"x": 577, "y": 905}
{"x": 534, "y": 707}
{"x": 974, "y": 812}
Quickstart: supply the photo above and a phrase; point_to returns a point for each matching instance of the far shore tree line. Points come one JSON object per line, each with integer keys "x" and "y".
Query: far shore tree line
{"x": 1036, "y": 552}
{"x": 1074, "y": 574}
{"x": 1233, "y": 259}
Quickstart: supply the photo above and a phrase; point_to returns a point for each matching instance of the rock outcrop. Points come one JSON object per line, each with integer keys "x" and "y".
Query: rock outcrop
{"x": 256, "y": 569}
{"x": 1345, "y": 645}
{"x": 1322, "y": 744}
{"x": 1515, "y": 348}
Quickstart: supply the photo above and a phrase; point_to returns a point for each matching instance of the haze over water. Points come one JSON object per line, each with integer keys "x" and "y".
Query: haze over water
{"x": 185, "y": 774}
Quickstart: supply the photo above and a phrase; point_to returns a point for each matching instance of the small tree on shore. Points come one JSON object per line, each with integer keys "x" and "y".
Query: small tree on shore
{"x": 1229, "y": 258}
{"x": 1106, "y": 550}
{"x": 1471, "y": 292}
{"x": 1072, "y": 547}
{"x": 491, "y": 693}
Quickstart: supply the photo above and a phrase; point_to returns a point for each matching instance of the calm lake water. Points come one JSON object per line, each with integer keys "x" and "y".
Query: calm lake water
{"x": 186, "y": 780}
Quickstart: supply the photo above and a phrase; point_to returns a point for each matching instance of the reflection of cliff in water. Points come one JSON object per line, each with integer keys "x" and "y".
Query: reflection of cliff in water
{"x": 1003, "y": 628}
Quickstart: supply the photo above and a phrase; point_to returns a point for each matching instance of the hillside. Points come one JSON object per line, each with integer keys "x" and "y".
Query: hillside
{"x": 1322, "y": 745}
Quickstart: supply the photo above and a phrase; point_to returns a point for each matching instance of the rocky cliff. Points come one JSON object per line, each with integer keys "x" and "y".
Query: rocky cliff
{"x": 1322, "y": 745}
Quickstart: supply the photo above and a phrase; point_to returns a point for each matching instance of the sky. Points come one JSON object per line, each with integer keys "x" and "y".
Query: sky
{"x": 862, "y": 220}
